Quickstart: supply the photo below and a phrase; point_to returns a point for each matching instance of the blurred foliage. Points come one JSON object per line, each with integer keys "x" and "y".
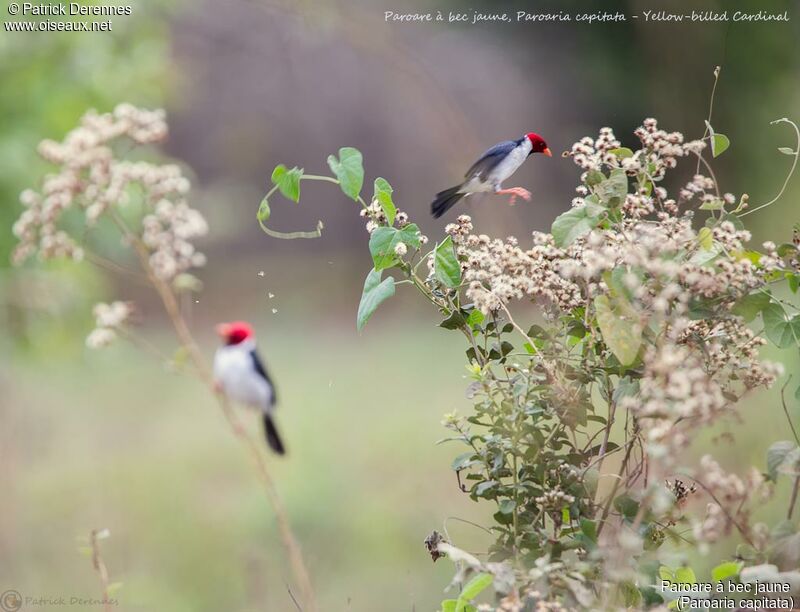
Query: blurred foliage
{"x": 49, "y": 80}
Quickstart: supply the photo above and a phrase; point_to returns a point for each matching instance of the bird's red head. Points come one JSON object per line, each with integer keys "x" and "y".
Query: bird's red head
{"x": 235, "y": 332}
{"x": 538, "y": 144}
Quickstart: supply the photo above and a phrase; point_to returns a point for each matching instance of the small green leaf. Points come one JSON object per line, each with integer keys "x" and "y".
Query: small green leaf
{"x": 383, "y": 241}
{"x": 705, "y": 238}
{"x": 589, "y": 529}
{"x": 787, "y": 151}
{"x": 446, "y": 268}
{"x": 349, "y": 169}
{"x": 737, "y": 222}
{"x": 712, "y": 205}
{"x": 666, "y": 573}
{"x": 374, "y": 294}
{"x": 288, "y": 181}
{"x": 463, "y": 461}
{"x": 626, "y": 506}
{"x": 186, "y": 282}
{"x": 750, "y": 305}
{"x": 630, "y": 594}
{"x": 781, "y": 330}
{"x": 777, "y": 454}
{"x": 719, "y": 144}
{"x": 263, "y": 211}
{"x": 575, "y": 223}
{"x": 746, "y": 552}
{"x": 456, "y": 320}
{"x": 476, "y": 317}
{"x": 507, "y": 506}
{"x": 614, "y": 189}
{"x": 485, "y": 486}
{"x": 594, "y": 177}
{"x": 449, "y": 605}
{"x": 472, "y": 589}
{"x": 685, "y": 575}
{"x": 383, "y": 193}
{"x": 620, "y": 327}
{"x": 622, "y": 152}
{"x": 726, "y": 570}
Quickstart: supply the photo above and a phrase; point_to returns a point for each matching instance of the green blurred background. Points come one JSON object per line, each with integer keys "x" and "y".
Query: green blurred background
{"x": 117, "y": 440}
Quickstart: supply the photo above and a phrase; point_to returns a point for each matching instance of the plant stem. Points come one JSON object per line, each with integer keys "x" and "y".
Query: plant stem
{"x": 206, "y": 376}
{"x": 795, "y": 489}
{"x": 612, "y": 408}
{"x": 786, "y": 410}
{"x": 791, "y": 170}
{"x": 710, "y": 109}
{"x": 101, "y": 569}
{"x": 607, "y": 508}
{"x": 319, "y": 177}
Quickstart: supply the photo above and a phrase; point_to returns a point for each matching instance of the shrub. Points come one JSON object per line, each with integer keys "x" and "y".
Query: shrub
{"x": 645, "y": 336}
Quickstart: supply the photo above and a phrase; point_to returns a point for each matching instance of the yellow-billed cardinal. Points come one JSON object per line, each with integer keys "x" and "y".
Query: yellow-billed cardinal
{"x": 488, "y": 173}
{"x": 240, "y": 374}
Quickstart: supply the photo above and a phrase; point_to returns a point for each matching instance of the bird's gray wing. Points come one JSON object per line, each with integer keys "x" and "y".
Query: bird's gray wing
{"x": 490, "y": 159}
{"x": 259, "y": 367}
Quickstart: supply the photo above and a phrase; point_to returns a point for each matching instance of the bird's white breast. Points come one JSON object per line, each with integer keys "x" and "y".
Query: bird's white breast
{"x": 235, "y": 372}
{"x": 510, "y": 164}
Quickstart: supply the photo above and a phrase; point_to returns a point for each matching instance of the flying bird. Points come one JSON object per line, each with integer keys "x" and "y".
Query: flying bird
{"x": 488, "y": 173}
{"x": 240, "y": 374}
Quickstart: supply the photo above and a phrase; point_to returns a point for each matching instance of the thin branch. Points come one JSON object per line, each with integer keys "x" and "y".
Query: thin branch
{"x": 612, "y": 408}
{"x": 100, "y": 567}
{"x": 610, "y": 500}
{"x": 205, "y": 374}
{"x": 786, "y": 410}
{"x": 458, "y": 518}
{"x": 701, "y": 159}
{"x": 112, "y": 266}
{"x": 795, "y": 490}
{"x": 717, "y": 70}
{"x": 733, "y": 521}
{"x": 791, "y": 170}
{"x": 294, "y": 599}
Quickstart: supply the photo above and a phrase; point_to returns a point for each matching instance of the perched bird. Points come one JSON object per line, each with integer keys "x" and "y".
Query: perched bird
{"x": 240, "y": 374}
{"x": 488, "y": 173}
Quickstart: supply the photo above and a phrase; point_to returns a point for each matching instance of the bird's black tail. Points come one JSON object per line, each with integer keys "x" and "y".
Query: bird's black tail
{"x": 273, "y": 439}
{"x": 445, "y": 200}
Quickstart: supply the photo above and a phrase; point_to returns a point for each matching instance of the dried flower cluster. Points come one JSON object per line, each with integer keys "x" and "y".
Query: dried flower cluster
{"x": 376, "y": 217}
{"x": 91, "y": 179}
{"x": 109, "y": 319}
{"x": 734, "y": 499}
{"x": 499, "y": 271}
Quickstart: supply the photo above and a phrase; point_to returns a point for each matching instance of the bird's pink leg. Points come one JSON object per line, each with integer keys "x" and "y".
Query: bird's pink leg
{"x": 515, "y": 192}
